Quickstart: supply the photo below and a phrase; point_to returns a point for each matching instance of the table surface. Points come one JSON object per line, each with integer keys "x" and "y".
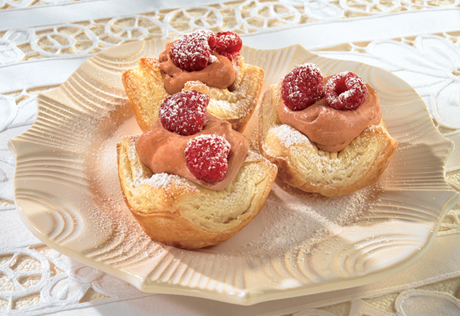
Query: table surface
{"x": 42, "y": 42}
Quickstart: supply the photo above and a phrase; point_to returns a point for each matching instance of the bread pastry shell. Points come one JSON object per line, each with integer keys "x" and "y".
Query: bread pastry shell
{"x": 179, "y": 213}
{"x": 301, "y": 164}
{"x": 145, "y": 89}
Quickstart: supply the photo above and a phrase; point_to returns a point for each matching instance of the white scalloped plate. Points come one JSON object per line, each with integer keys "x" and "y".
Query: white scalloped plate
{"x": 67, "y": 193}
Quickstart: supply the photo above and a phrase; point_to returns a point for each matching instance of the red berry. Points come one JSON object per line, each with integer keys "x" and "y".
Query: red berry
{"x": 206, "y": 157}
{"x": 345, "y": 91}
{"x": 191, "y": 51}
{"x": 302, "y": 87}
{"x": 228, "y": 44}
{"x": 184, "y": 112}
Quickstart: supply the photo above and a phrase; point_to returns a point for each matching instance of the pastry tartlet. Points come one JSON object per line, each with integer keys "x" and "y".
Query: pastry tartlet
{"x": 220, "y": 72}
{"x": 192, "y": 187}
{"x": 337, "y": 158}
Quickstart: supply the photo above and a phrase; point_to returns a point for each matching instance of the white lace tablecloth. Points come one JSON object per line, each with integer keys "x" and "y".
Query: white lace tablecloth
{"x": 43, "y": 41}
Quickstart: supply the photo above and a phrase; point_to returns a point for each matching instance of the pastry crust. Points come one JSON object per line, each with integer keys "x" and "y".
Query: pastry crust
{"x": 144, "y": 86}
{"x": 301, "y": 164}
{"x": 179, "y": 213}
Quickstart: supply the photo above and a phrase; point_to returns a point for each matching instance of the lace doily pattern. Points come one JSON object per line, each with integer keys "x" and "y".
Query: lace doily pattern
{"x": 38, "y": 280}
{"x": 439, "y": 91}
{"x": 21, "y": 4}
{"x": 442, "y": 298}
{"x": 244, "y": 17}
{"x": 349, "y": 8}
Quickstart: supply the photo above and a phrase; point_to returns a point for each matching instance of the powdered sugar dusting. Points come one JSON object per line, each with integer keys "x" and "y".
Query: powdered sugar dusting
{"x": 192, "y": 51}
{"x": 302, "y": 87}
{"x": 289, "y": 136}
{"x": 213, "y": 58}
{"x": 184, "y": 112}
{"x": 292, "y": 219}
{"x": 109, "y": 212}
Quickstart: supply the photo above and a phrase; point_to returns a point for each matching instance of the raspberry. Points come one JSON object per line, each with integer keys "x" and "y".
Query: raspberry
{"x": 228, "y": 44}
{"x": 192, "y": 51}
{"x": 302, "y": 87}
{"x": 206, "y": 157}
{"x": 345, "y": 91}
{"x": 184, "y": 113}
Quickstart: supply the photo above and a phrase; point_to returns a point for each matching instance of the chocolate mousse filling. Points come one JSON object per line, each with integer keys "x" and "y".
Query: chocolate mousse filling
{"x": 330, "y": 129}
{"x": 162, "y": 151}
{"x": 220, "y": 73}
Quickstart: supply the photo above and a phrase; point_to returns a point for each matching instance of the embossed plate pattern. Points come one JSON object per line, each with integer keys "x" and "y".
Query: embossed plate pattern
{"x": 67, "y": 193}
